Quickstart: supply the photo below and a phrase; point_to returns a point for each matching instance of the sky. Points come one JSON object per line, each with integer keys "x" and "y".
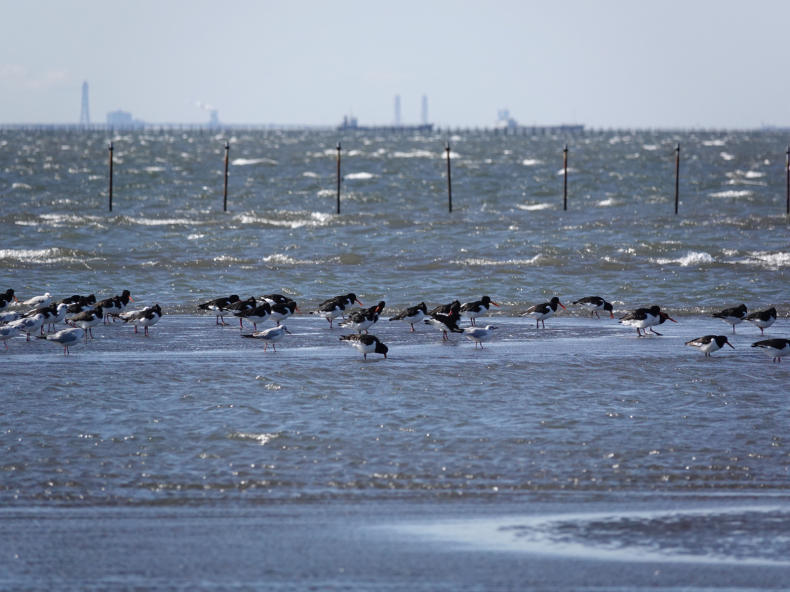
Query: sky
{"x": 603, "y": 63}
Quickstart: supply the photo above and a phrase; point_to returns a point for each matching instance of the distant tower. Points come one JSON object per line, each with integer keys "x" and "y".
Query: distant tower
{"x": 397, "y": 109}
{"x": 85, "y": 116}
{"x": 425, "y": 109}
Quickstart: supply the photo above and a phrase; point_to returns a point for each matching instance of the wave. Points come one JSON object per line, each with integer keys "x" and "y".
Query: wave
{"x": 280, "y": 259}
{"x": 313, "y": 219}
{"x": 43, "y": 256}
{"x": 252, "y": 161}
{"x": 261, "y": 439}
{"x": 531, "y": 162}
{"x": 767, "y": 259}
{"x": 714, "y": 143}
{"x": 414, "y": 154}
{"x": 359, "y": 176}
{"x": 732, "y": 193}
{"x": 534, "y": 207}
{"x": 690, "y": 258}
{"x": 24, "y": 186}
{"x": 726, "y": 156}
{"x": 484, "y": 262}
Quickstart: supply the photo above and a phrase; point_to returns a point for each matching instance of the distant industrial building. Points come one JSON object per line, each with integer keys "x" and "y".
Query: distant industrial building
{"x": 85, "y": 116}
{"x": 350, "y": 122}
{"x": 123, "y": 120}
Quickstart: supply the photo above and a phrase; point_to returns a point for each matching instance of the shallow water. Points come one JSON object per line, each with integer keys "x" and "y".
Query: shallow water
{"x": 575, "y": 444}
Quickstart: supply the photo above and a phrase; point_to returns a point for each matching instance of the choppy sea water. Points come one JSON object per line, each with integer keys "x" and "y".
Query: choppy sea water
{"x": 577, "y": 442}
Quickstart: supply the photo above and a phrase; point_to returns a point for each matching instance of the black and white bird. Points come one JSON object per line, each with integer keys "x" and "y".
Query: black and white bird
{"x": 595, "y": 304}
{"x": 732, "y": 316}
{"x": 776, "y": 348}
{"x": 240, "y": 307}
{"x": 361, "y": 320}
{"x": 87, "y": 319}
{"x": 708, "y": 344}
{"x": 367, "y": 344}
{"x": 541, "y": 312}
{"x": 145, "y": 317}
{"x": 336, "y": 307}
{"x": 219, "y": 306}
{"x": 644, "y": 319}
{"x": 257, "y": 315}
{"x": 275, "y": 298}
{"x": 269, "y": 336}
{"x": 413, "y": 314}
{"x": 472, "y": 310}
{"x": 115, "y": 305}
{"x": 78, "y": 299}
{"x": 444, "y": 308}
{"x": 66, "y": 338}
{"x": 762, "y": 319}
{"x": 6, "y": 298}
{"x": 479, "y": 334}
{"x": 445, "y": 322}
{"x": 283, "y": 310}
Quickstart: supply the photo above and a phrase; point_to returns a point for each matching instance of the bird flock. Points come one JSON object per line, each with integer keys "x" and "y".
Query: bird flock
{"x": 39, "y": 316}
{"x": 446, "y": 318}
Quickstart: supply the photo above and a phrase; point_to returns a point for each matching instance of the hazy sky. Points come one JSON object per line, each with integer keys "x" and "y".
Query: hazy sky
{"x": 603, "y": 63}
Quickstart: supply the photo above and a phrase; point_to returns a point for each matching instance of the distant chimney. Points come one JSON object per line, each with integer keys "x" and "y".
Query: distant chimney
{"x": 85, "y": 116}
{"x": 397, "y": 109}
{"x": 425, "y": 109}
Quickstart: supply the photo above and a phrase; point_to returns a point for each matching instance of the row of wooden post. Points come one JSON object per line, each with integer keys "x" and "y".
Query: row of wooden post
{"x": 450, "y": 183}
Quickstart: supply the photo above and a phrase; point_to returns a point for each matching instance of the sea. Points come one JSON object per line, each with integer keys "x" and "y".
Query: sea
{"x": 575, "y": 456}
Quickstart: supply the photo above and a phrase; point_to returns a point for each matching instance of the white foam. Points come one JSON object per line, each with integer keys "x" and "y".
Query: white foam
{"x": 482, "y": 261}
{"x": 414, "y": 154}
{"x": 607, "y": 202}
{"x": 359, "y": 176}
{"x": 690, "y": 258}
{"x": 768, "y": 260}
{"x": 726, "y": 156}
{"x": 20, "y": 186}
{"x": 650, "y": 147}
{"x": 732, "y": 193}
{"x": 531, "y": 162}
{"x": 252, "y": 161}
{"x": 714, "y": 143}
{"x": 534, "y": 207}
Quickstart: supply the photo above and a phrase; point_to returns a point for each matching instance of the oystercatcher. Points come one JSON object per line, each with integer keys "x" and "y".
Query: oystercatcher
{"x": 776, "y": 348}
{"x": 732, "y": 316}
{"x": 472, "y": 310}
{"x": 145, "y": 317}
{"x": 87, "y": 319}
{"x": 257, "y": 315}
{"x": 446, "y": 322}
{"x": 595, "y": 304}
{"x": 283, "y": 310}
{"x": 710, "y": 343}
{"x": 762, "y": 319}
{"x": 219, "y": 306}
{"x": 362, "y": 320}
{"x": 367, "y": 344}
{"x": 413, "y": 314}
{"x": 541, "y": 312}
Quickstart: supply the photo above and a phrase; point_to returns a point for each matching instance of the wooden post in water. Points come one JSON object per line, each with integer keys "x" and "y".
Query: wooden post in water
{"x": 449, "y": 180}
{"x": 225, "y": 191}
{"x": 338, "y": 177}
{"x": 565, "y": 178}
{"x": 110, "y": 189}
{"x": 787, "y": 180}
{"x": 677, "y": 177}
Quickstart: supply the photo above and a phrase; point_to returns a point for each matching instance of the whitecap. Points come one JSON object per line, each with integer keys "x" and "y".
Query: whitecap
{"x": 690, "y": 258}
{"x": 607, "y": 202}
{"x": 732, "y": 193}
{"x": 726, "y": 156}
{"x": 650, "y": 147}
{"x": 261, "y": 439}
{"x": 485, "y": 262}
{"x": 251, "y": 161}
{"x": 714, "y": 143}
{"x": 767, "y": 259}
{"x": 754, "y": 174}
{"x": 310, "y": 174}
{"x": 21, "y": 186}
{"x": 414, "y": 154}
{"x": 358, "y": 176}
{"x": 161, "y": 221}
{"x": 531, "y": 162}
{"x": 154, "y": 169}
{"x": 281, "y": 259}
{"x": 534, "y": 207}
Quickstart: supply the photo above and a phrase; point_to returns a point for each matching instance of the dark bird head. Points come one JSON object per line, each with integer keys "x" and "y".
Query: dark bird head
{"x": 721, "y": 340}
{"x": 556, "y": 302}
{"x": 607, "y": 306}
{"x": 381, "y": 348}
